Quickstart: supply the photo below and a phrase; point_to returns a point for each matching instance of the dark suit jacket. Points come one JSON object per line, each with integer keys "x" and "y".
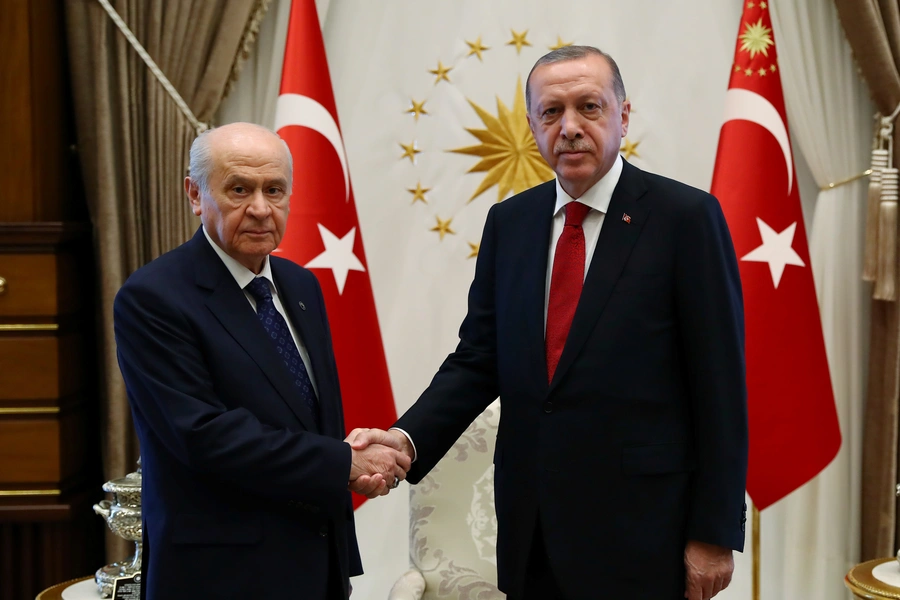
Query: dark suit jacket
{"x": 640, "y": 441}
{"x": 244, "y": 496}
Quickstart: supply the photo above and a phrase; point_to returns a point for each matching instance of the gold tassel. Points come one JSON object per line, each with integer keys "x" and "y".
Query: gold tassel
{"x": 886, "y": 276}
{"x": 870, "y": 266}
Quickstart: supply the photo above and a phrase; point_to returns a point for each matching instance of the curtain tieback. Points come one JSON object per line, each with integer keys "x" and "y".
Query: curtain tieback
{"x": 880, "y": 264}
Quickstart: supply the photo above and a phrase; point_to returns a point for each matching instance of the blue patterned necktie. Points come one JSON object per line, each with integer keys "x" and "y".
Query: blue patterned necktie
{"x": 280, "y": 334}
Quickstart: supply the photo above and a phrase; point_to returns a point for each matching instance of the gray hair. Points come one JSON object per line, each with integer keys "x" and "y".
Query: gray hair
{"x": 201, "y": 158}
{"x": 574, "y": 53}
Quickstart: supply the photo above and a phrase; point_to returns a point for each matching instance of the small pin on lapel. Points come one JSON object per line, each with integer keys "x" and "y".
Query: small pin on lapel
{"x": 626, "y": 217}
{"x": 302, "y": 306}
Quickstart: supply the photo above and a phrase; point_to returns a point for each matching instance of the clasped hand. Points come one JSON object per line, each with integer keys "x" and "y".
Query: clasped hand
{"x": 377, "y": 458}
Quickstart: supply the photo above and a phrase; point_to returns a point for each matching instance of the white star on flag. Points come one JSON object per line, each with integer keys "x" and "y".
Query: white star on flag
{"x": 338, "y": 256}
{"x": 777, "y": 250}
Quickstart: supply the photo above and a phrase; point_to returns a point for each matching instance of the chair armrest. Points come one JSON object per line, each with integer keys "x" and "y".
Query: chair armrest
{"x": 410, "y": 586}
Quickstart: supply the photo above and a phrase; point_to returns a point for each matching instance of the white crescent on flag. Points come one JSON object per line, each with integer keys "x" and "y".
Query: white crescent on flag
{"x": 294, "y": 109}
{"x": 744, "y": 105}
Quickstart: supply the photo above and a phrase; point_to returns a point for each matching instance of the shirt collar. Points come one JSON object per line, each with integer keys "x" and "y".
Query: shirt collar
{"x": 598, "y": 195}
{"x": 242, "y": 275}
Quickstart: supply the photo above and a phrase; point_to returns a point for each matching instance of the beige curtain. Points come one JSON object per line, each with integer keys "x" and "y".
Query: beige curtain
{"x": 873, "y": 30}
{"x": 133, "y": 143}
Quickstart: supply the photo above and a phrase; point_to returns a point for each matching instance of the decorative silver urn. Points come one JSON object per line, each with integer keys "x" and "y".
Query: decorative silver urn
{"x": 123, "y": 515}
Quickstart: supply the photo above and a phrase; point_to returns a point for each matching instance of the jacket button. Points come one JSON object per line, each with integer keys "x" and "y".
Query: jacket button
{"x": 548, "y": 407}
{"x": 323, "y": 531}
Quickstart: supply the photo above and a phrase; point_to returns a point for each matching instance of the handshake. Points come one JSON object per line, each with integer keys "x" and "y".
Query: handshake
{"x": 379, "y": 462}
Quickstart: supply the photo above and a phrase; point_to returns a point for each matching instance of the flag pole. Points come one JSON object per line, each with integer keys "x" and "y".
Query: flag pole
{"x": 756, "y": 560}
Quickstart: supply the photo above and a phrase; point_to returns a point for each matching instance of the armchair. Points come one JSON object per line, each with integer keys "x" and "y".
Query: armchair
{"x": 452, "y": 523}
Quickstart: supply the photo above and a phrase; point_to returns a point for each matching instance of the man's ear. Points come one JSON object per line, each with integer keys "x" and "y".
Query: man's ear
{"x": 193, "y": 193}
{"x": 626, "y": 116}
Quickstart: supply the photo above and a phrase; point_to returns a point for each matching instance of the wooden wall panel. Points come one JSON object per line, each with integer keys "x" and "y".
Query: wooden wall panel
{"x": 50, "y": 132}
{"x": 31, "y": 284}
{"x": 41, "y": 285}
{"x": 35, "y": 113}
{"x": 29, "y": 451}
{"x": 41, "y": 367}
{"x": 17, "y": 176}
{"x": 29, "y": 367}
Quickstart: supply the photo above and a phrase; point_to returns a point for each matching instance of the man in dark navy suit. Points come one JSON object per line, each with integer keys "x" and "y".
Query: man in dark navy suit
{"x": 228, "y": 363}
{"x": 606, "y": 313}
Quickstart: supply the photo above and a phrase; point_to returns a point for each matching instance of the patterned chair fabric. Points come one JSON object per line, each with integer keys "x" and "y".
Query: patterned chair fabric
{"x": 452, "y": 523}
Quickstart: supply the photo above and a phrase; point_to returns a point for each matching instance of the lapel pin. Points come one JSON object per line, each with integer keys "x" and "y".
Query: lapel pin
{"x": 626, "y": 217}
{"x": 302, "y": 306}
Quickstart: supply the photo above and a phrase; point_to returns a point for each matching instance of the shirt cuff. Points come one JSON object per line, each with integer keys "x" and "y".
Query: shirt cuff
{"x": 411, "y": 443}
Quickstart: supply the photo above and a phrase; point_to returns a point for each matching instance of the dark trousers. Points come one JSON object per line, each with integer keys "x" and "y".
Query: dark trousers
{"x": 540, "y": 584}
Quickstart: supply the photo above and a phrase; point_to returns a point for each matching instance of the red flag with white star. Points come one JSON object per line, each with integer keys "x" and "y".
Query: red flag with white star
{"x": 794, "y": 430}
{"x": 323, "y": 229}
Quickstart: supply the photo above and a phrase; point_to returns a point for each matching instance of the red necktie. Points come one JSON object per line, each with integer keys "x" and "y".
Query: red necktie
{"x": 565, "y": 283}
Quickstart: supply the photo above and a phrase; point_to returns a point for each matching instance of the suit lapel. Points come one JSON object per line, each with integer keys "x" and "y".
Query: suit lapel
{"x": 229, "y": 305}
{"x": 312, "y": 336}
{"x": 534, "y": 255}
{"x": 617, "y": 238}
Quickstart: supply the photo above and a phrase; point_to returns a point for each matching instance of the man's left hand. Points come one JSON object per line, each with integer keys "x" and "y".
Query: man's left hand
{"x": 708, "y": 569}
{"x": 370, "y": 486}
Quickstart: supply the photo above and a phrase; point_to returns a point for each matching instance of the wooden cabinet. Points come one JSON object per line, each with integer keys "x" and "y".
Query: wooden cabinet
{"x": 50, "y": 469}
{"x": 49, "y": 413}
{"x": 39, "y": 285}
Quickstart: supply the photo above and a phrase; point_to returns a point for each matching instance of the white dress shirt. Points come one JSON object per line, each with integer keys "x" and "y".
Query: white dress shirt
{"x": 243, "y": 276}
{"x": 597, "y": 197}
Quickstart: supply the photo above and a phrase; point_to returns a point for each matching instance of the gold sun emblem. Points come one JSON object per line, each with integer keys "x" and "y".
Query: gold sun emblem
{"x": 508, "y": 153}
{"x": 756, "y": 39}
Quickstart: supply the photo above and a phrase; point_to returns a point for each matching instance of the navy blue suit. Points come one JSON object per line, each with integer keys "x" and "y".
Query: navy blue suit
{"x": 244, "y": 494}
{"x": 640, "y": 441}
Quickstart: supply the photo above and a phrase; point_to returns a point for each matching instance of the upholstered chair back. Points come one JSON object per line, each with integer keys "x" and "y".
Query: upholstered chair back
{"x": 452, "y": 522}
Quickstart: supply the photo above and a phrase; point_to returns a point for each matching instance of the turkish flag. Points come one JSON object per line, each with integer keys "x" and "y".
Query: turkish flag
{"x": 794, "y": 430}
{"x": 323, "y": 228}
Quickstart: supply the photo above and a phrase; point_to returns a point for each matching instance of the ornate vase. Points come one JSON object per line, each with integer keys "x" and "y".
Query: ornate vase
{"x": 123, "y": 515}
